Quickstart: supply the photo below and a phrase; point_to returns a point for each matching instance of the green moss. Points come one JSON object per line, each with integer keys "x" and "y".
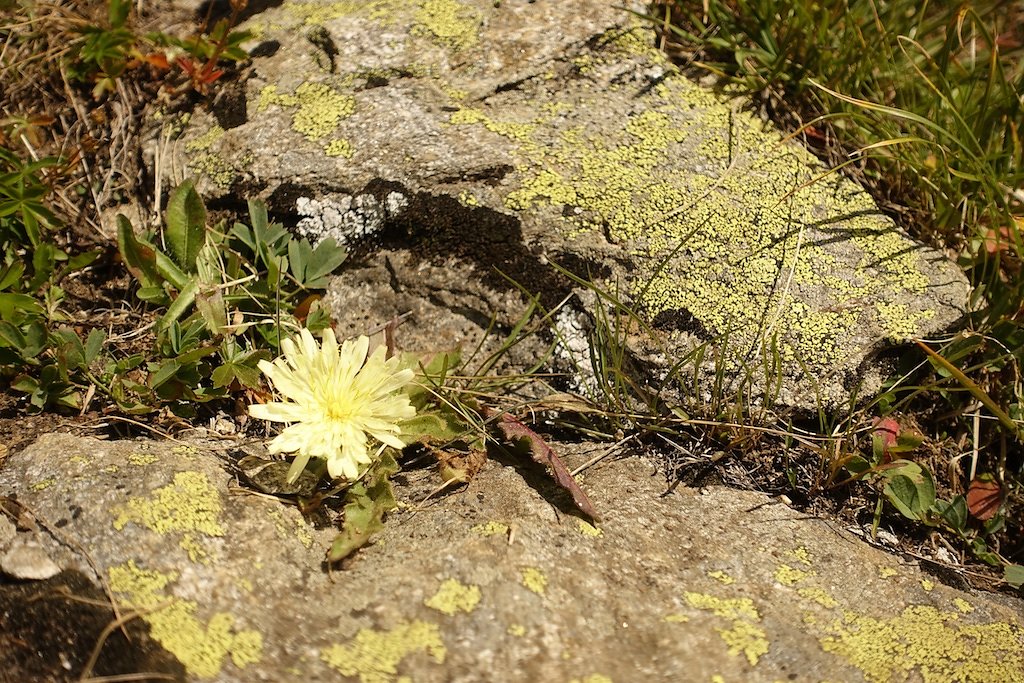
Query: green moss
{"x": 453, "y": 597}
{"x": 189, "y": 506}
{"x": 201, "y": 647}
{"x": 924, "y": 643}
{"x": 374, "y": 655}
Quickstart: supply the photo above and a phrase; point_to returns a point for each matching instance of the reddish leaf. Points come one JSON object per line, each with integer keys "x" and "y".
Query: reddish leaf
{"x": 984, "y": 496}
{"x": 885, "y": 432}
{"x": 515, "y": 430}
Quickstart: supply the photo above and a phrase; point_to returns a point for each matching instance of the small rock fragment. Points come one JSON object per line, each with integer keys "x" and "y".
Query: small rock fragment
{"x": 28, "y": 561}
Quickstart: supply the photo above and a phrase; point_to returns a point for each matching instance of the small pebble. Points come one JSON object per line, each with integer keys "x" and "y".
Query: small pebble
{"x": 28, "y": 561}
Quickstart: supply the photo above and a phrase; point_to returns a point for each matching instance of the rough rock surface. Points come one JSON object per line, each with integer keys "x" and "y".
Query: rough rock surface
{"x": 508, "y": 137}
{"x": 497, "y": 582}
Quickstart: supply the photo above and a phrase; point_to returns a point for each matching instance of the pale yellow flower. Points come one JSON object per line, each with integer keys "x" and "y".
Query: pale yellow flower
{"x": 337, "y": 400}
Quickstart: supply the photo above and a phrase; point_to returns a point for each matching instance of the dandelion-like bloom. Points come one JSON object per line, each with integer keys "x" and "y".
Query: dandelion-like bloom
{"x": 337, "y": 400}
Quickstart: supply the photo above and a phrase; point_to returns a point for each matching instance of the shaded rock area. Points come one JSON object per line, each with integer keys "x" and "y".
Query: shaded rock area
{"x": 498, "y": 138}
{"x": 494, "y": 582}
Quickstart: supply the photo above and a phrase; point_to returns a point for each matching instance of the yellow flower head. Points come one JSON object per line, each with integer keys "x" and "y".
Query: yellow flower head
{"x": 337, "y": 400}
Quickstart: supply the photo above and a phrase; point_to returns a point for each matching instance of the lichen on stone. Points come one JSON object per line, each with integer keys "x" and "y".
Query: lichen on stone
{"x": 534, "y": 579}
{"x": 453, "y": 596}
{"x": 374, "y": 655}
{"x": 743, "y": 636}
{"x": 201, "y": 647}
{"x": 190, "y": 506}
{"x": 924, "y": 643}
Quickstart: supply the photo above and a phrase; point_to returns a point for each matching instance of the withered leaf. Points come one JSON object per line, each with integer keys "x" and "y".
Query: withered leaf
{"x": 514, "y": 430}
{"x": 984, "y": 496}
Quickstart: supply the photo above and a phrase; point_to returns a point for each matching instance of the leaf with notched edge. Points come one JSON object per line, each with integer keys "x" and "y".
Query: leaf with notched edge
{"x": 514, "y": 430}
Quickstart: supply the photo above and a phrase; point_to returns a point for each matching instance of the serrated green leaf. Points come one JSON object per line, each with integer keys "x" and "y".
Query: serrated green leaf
{"x": 365, "y": 508}
{"x": 186, "y": 225}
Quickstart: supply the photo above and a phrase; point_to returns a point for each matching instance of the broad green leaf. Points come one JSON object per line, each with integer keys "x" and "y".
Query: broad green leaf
{"x": 1013, "y": 574}
{"x": 118, "y": 12}
{"x": 140, "y": 258}
{"x": 15, "y": 306}
{"x": 323, "y": 261}
{"x": 180, "y": 306}
{"x": 186, "y": 225}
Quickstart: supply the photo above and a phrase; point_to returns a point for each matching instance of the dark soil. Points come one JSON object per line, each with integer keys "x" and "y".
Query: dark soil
{"x": 50, "y": 629}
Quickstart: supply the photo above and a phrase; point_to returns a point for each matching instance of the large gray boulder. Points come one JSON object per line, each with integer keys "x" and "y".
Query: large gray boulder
{"x": 496, "y": 582}
{"x": 511, "y": 135}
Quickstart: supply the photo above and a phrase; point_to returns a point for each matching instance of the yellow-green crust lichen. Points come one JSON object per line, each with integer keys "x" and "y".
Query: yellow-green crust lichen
{"x": 534, "y": 579}
{"x": 491, "y": 528}
{"x": 744, "y": 636}
{"x": 737, "y": 244}
{"x": 924, "y": 643}
{"x": 453, "y": 596}
{"x": 190, "y": 506}
{"x": 318, "y": 107}
{"x": 790, "y": 576}
{"x": 374, "y": 656}
{"x": 201, "y": 647}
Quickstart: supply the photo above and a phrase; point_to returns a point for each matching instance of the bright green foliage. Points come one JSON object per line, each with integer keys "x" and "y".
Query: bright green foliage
{"x": 228, "y": 299}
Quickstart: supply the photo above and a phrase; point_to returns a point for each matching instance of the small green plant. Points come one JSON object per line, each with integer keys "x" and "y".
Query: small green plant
{"x": 228, "y": 299}
{"x": 103, "y": 54}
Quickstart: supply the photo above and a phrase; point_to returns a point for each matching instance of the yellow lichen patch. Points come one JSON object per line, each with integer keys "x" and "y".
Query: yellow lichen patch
{"x": 801, "y": 555}
{"x": 925, "y": 643}
{"x": 718, "y": 241}
{"x": 721, "y": 577}
{"x": 927, "y": 585}
{"x": 588, "y": 529}
{"x": 744, "y": 636}
{"x": 201, "y": 648}
{"x": 206, "y": 140}
{"x": 490, "y": 528}
{"x": 535, "y": 580}
{"x": 190, "y": 506}
{"x": 728, "y": 608}
{"x": 790, "y": 576}
{"x": 887, "y": 572}
{"x": 675, "y": 618}
{"x": 374, "y": 656}
{"x": 140, "y": 458}
{"x": 319, "y": 108}
{"x": 453, "y": 597}
{"x": 747, "y": 639}
{"x": 43, "y": 484}
{"x": 338, "y": 147}
{"x": 109, "y": 469}
{"x": 819, "y": 596}
{"x": 448, "y": 22}
{"x": 467, "y": 198}
{"x": 517, "y": 630}
{"x": 962, "y": 605}
{"x": 592, "y": 678}
{"x": 220, "y": 172}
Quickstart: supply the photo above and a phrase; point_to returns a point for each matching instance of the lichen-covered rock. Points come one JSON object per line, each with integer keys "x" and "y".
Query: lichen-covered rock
{"x": 498, "y": 582}
{"x": 510, "y": 135}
